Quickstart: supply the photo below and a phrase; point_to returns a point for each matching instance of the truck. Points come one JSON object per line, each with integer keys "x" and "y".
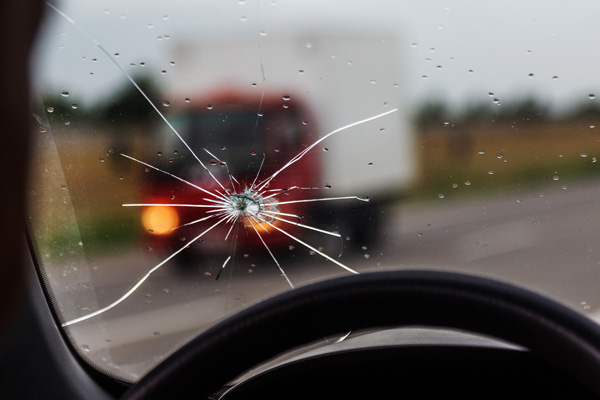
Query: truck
{"x": 249, "y": 107}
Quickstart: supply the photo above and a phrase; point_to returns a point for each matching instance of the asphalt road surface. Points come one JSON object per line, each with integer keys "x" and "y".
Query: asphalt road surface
{"x": 547, "y": 241}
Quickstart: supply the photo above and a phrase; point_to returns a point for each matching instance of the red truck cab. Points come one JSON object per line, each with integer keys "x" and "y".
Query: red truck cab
{"x": 226, "y": 149}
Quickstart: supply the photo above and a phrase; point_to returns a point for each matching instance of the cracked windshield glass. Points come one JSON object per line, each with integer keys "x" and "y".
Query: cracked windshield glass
{"x": 193, "y": 158}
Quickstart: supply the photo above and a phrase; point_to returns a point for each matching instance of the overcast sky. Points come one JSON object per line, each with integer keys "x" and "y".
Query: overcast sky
{"x": 458, "y": 51}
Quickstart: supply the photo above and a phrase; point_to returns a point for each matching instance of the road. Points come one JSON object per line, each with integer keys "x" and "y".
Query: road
{"x": 546, "y": 240}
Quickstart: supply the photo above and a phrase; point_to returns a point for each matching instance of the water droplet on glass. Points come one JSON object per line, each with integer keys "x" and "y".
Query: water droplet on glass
{"x": 67, "y": 123}
{"x": 74, "y": 106}
{"x": 592, "y": 126}
{"x": 491, "y": 94}
{"x": 150, "y": 26}
{"x": 121, "y": 177}
{"x": 467, "y": 183}
{"x": 499, "y": 156}
{"x": 159, "y": 153}
{"x": 555, "y": 77}
{"x": 308, "y": 45}
{"x": 490, "y": 172}
{"x": 85, "y": 348}
{"x": 555, "y": 178}
{"x": 441, "y": 195}
{"x": 325, "y": 149}
{"x": 366, "y": 256}
{"x": 584, "y": 155}
{"x": 454, "y": 185}
{"x": 286, "y": 97}
{"x": 591, "y": 96}
{"x": 207, "y": 274}
{"x": 496, "y": 101}
{"x": 209, "y": 106}
{"x": 373, "y": 81}
{"x": 187, "y": 100}
{"x": 530, "y": 75}
{"x": 172, "y": 63}
{"x": 163, "y": 72}
{"x": 263, "y": 33}
{"x": 64, "y": 94}
{"x": 166, "y": 103}
{"x": 50, "y": 109}
{"x": 102, "y": 160}
{"x": 300, "y": 71}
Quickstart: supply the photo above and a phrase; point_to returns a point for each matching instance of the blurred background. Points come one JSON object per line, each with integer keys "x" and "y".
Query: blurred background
{"x": 485, "y": 160}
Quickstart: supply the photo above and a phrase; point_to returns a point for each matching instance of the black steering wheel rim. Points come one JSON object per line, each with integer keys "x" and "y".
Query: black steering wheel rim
{"x": 554, "y": 332}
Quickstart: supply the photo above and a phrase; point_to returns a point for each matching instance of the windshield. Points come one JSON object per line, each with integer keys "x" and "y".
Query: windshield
{"x": 193, "y": 158}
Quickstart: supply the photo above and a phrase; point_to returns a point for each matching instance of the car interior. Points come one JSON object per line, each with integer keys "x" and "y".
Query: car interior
{"x": 275, "y": 203}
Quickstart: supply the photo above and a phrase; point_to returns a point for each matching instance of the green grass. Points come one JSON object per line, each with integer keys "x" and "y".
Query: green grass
{"x": 542, "y": 156}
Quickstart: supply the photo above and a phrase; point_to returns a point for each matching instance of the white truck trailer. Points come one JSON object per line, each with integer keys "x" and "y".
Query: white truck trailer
{"x": 342, "y": 78}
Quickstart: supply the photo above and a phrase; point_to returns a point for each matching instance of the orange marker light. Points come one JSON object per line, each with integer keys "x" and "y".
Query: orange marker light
{"x": 160, "y": 220}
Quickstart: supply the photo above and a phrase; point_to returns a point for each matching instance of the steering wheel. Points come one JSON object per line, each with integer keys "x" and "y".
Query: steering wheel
{"x": 553, "y": 332}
